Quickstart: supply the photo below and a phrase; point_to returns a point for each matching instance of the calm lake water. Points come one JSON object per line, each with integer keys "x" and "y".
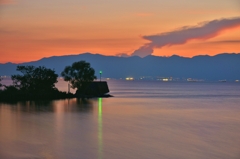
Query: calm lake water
{"x": 145, "y": 120}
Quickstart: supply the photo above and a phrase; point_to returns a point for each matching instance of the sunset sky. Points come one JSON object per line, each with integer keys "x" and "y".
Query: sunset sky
{"x": 33, "y": 29}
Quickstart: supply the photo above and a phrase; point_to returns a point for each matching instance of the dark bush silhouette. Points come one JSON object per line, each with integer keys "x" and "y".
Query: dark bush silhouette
{"x": 0, "y": 82}
{"x": 35, "y": 83}
{"x": 40, "y": 79}
{"x": 79, "y": 74}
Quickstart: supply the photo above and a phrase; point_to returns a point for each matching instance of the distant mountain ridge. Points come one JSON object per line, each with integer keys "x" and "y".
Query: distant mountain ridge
{"x": 221, "y": 66}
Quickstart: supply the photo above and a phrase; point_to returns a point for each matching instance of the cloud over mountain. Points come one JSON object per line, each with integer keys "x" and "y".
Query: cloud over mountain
{"x": 203, "y": 31}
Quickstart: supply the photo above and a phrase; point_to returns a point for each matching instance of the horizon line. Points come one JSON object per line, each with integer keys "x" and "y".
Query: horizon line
{"x": 77, "y": 54}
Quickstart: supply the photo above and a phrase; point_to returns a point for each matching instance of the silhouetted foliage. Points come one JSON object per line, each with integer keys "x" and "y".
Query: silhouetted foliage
{"x": 0, "y": 82}
{"x": 35, "y": 83}
{"x": 35, "y": 78}
{"x": 79, "y": 73}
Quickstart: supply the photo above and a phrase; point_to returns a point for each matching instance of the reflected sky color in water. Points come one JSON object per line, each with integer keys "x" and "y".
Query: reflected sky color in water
{"x": 129, "y": 125}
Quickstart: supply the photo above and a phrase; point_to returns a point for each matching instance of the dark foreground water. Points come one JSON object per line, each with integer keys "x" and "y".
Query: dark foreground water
{"x": 145, "y": 120}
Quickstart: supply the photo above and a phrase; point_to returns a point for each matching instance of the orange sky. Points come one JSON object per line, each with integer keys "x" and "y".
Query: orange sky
{"x": 31, "y": 30}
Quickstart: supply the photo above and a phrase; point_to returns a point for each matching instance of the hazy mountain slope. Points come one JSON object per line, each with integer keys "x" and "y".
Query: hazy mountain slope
{"x": 222, "y": 66}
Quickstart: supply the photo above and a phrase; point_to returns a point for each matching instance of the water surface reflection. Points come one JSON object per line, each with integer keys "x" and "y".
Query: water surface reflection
{"x": 100, "y": 140}
{"x": 48, "y": 129}
{"x": 67, "y": 105}
{"x": 117, "y": 128}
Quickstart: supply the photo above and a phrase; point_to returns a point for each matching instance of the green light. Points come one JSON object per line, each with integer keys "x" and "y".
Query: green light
{"x": 100, "y": 139}
{"x": 100, "y": 72}
{"x": 100, "y": 107}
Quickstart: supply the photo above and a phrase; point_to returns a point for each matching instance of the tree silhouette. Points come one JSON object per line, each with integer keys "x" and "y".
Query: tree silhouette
{"x": 0, "y": 82}
{"x": 35, "y": 79}
{"x": 35, "y": 83}
{"x": 78, "y": 74}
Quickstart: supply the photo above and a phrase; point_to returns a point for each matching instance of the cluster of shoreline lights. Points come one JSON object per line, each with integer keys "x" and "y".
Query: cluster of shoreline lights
{"x": 149, "y": 78}
{"x": 129, "y": 78}
{"x": 162, "y": 79}
{"x": 165, "y": 79}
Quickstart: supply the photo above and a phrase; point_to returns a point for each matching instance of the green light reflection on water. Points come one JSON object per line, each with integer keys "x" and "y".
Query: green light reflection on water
{"x": 100, "y": 143}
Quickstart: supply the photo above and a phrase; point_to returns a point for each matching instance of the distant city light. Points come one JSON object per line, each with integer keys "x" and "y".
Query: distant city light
{"x": 129, "y": 78}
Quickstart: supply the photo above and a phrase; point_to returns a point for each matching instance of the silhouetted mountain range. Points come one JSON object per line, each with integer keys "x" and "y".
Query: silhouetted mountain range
{"x": 218, "y": 67}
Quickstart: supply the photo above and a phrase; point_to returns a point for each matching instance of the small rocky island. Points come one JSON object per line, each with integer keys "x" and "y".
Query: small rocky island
{"x": 38, "y": 83}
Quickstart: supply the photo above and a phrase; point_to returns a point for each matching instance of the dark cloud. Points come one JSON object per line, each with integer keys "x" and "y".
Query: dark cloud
{"x": 202, "y": 31}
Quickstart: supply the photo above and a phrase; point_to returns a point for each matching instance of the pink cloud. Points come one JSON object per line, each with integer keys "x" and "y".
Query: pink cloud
{"x": 122, "y": 55}
{"x": 203, "y": 31}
